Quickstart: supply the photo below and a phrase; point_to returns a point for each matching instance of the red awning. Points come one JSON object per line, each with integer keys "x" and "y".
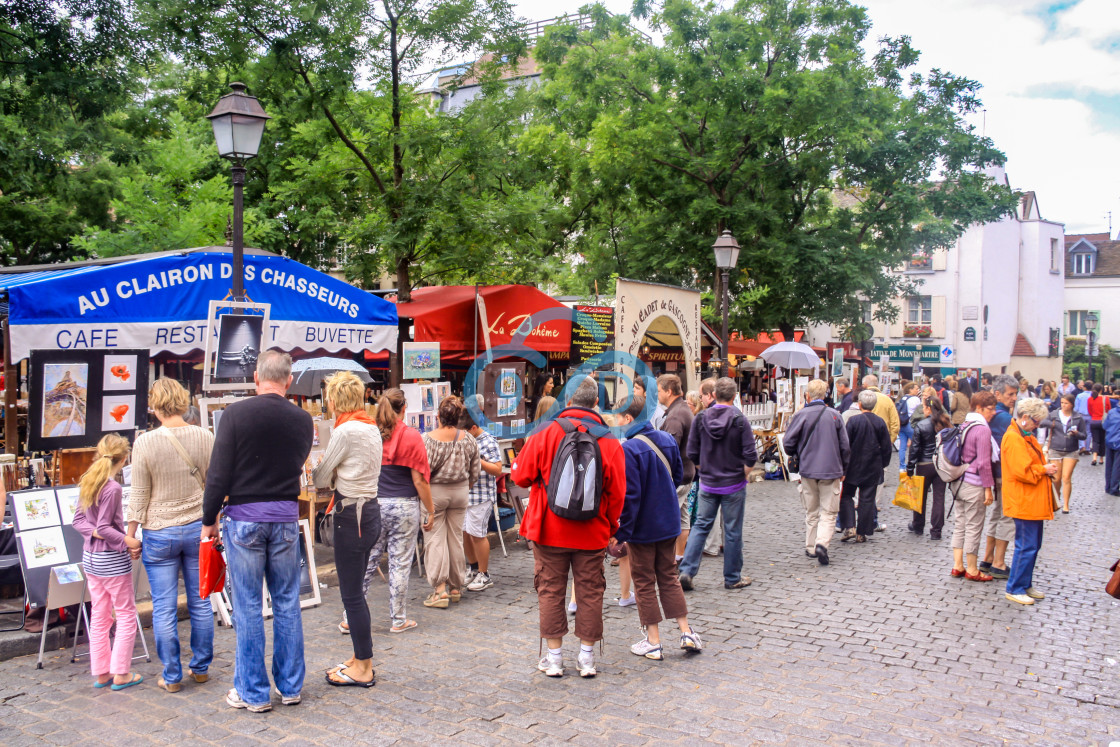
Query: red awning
{"x": 448, "y": 314}
{"x": 747, "y": 347}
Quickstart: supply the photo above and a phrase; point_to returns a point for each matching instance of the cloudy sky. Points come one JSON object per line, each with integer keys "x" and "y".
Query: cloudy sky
{"x": 1051, "y": 76}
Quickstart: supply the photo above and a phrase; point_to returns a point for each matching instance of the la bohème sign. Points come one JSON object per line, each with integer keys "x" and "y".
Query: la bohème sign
{"x": 162, "y": 304}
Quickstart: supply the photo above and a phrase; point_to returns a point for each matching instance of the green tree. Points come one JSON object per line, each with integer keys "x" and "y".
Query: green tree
{"x": 763, "y": 117}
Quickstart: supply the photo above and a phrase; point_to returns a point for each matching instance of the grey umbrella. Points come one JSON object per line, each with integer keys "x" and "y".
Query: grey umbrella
{"x": 310, "y": 373}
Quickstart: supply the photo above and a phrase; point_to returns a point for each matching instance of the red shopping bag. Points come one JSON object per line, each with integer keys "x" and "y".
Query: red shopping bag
{"x": 211, "y": 567}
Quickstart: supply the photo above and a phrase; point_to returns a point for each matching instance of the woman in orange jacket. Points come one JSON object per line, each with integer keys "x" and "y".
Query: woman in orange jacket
{"x": 1027, "y": 496}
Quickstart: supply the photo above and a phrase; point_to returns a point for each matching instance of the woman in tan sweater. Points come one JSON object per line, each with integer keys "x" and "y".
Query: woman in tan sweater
{"x": 168, "y": 474}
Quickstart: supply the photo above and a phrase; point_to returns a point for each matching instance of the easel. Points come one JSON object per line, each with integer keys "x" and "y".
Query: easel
{"x": 137, "y": 570}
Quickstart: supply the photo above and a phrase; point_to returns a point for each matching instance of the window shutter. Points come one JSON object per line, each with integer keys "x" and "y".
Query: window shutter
{"x": 897, "y": 325}
{"x": 937, "y": 324}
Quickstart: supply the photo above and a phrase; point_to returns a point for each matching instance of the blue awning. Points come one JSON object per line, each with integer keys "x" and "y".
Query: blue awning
{"x": 161, "y": 302}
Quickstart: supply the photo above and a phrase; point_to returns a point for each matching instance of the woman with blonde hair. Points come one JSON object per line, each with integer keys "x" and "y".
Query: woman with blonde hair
{"x": 545, "y": 404}
{"x": 169, "y": 467}
{"x": 692, "y": 399}
{"x": 456, "y": 465}
{"x": 351, "y": 465}
{"x": 402, "y": 487}
{"x": 107, "y": 557}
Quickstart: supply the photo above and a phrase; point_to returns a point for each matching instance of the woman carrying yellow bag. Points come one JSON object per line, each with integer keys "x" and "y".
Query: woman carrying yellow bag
{"x": 920, "y": 462}
{"x": 909, "y": 493}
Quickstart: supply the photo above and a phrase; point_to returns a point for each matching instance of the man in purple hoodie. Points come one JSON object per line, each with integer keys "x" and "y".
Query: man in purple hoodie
{"x": 721, "y": 445}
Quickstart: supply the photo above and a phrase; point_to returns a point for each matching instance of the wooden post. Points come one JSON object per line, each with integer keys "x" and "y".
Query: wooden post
{"x": 11, "y": 394}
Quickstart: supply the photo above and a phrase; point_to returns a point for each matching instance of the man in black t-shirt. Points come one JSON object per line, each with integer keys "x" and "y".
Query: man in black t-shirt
{"x": 255, "y": 469}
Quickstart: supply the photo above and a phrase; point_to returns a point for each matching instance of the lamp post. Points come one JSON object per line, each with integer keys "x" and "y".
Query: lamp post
{"x": 238, "y": 121}
{"x": 726, "y": 250}
{"x": 1091, "y": 341}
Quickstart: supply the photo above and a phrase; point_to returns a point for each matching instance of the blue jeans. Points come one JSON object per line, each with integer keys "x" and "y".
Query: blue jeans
{"x": 708, "y": 506}
{"x": 905, "y": 434}
{"x": 1028, "y": 541}
{"x": 260, "y": 551}
{"x": 167, "y": 553}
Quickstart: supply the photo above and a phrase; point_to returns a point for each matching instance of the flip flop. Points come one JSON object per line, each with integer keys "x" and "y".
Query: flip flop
{"x": 408, "y": 625}
{"x": 99, "y": 685}
{"x": 349, "y": 681}
{"x": 136, "y": 680}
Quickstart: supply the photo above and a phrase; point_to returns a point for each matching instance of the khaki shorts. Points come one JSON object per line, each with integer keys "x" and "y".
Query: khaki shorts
{"x": 476, "y": 521}
{"x": 682, "y": 501}
{"x": 999, "y": 526}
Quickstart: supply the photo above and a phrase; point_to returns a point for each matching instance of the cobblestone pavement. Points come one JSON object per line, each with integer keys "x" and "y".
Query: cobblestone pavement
{"x": 881, "y": 647}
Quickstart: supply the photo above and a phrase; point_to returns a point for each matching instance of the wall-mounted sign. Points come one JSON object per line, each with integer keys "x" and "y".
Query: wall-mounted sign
{"x": 969, "y": 313}
{"x": 584, "y": 344}
{"x": 970, "y": 334}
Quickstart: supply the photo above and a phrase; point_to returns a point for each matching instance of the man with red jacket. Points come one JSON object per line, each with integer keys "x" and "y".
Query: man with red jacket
{"x": 561, "y": 544}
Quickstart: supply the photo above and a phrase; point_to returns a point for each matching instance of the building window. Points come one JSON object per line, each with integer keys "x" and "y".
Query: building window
{"x": 1083, "y": 263}
{"x": 921, "y": 261}
{"x": 920, "y": 310}
{"x": 1054, "y": 255}
{"x": 1076, "y": 326}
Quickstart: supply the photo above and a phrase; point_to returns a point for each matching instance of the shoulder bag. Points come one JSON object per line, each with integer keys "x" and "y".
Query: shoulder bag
{"x": 1113, "y": 585}
{"x": 793, "y": 461}
{"x": 195, "y": 471}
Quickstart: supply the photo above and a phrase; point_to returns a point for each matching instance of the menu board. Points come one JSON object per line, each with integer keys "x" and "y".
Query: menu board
{"x": 584, "y": 344}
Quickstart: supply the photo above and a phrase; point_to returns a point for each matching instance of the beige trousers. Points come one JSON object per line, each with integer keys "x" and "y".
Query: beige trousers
{"x": 821, "y": 499}
{"x": 444, "y": 560}
{"x": 968, "y": 527}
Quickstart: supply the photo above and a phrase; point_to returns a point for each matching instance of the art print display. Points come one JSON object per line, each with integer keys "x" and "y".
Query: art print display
{"x": 68, "y": 504}
{"x": 443, "y": 391}
{"x": 43, "y": 547}
{"x": 414, "y": 400}
{"x": 428, "y": 397}
{"x": 507, "y": 383}
{"x": 118, "y": 413}
{"x": 68, "y": 574}
{"x": 507, "y": 407}
{"x": 77, "y": 396}
{"x": 119, "y": 373}
{"x": 239, "y": 344}
{"x": 65, "y": 399}
{"x": 420, "y": 360}
{"x": 35, "y": 509}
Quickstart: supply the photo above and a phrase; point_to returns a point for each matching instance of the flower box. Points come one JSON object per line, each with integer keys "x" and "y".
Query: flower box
{"x": 922, "y": 330}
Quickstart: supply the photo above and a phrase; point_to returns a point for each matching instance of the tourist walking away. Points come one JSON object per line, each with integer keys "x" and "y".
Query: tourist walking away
{"x": 1112, "y": 452}
{"x": 258, "y": 459}
{"x": 1027, "y": 496}
{"x": 482, "y": 498}
{"x": 1066, "y": 430}
{"x": 107, "y": 555}
{"x": 1081, "y": 406}
{"x": 169, "y": 466}
{"x": 678, "y": 423}
{"x": 920, "y": 462}
{"x": 721, "y": 445}
{"x": 907, "y": 406}
{"x": 456, "y": 466}
{"x": 1098, "y": 406}
{"x": 818, "y": 439}
{"x": 570, "y": 521}
{"x": 870, "y": 454}
{"x": 351, "y": 466}
{"x": 885, "y": 409}
{"x": 402, "y": 488}
{"x": 975, "y": 489}
{"x": 999, "y": 527}
{"x": 648, "y": 529}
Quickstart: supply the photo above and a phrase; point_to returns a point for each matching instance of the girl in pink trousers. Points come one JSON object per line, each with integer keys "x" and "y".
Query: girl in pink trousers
{"x": 107, "y": 558}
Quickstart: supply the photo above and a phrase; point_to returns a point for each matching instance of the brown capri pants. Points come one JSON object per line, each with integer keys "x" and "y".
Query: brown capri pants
{"x": 654, "y": 573}
{"x": 550, "y": 579}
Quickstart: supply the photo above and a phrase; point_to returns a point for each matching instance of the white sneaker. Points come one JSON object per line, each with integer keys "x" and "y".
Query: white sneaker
{"x": 481, "y": 582}
{"x": 294, "y": 700}
{"x": 469, "y": 576}
{"x": 1034, "y": 593}
{"x": 648, "y": 650}
{"x": 1020, "y": 598}
{"x": 691, "y": 642}
{"x": 551, "y": 668}
{"x": 586, "y": 664}
{"x": 235, "y": 701}
{"x": 571, "y": 608}
{"x": 629, "y": 601}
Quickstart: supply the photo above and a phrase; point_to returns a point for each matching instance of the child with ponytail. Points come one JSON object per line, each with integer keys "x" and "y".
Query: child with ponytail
{"x": 107, "y": 558}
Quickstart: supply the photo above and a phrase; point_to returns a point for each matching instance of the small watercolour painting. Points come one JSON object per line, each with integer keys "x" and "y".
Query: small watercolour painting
{"x": 43, "y": 547}
{"x": 35, "y": 510}
{"x": 64, "y": 399}
{"x": 119, "y": 373}
{"x": 68, "y": 503}
{"x": 118, "y": 413}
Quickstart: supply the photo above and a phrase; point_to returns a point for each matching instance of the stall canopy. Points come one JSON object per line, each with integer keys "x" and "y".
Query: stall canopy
{"x": 161, "y": 301}
{"x": 450, "y": 315}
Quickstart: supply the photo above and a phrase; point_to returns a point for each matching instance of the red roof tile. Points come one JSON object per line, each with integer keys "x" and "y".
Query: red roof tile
{"x": 1022, "y": 346}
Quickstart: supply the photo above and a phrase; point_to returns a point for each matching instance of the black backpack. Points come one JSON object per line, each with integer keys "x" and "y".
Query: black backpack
{"x": 903, "y": 411}
{"x": 575, "y": 485}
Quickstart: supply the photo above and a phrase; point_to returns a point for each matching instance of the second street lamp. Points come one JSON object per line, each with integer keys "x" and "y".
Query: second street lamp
{"x": 238, "y": 121}
{"x": 726, "y": 250}
{"x": 1091, "y": 342}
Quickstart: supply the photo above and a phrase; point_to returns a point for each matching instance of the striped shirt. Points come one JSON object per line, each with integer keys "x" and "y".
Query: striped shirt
{"x": 106, "y": 563}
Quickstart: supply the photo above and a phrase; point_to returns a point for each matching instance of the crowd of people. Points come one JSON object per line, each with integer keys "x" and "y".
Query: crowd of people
{"x": 654, "y": 500}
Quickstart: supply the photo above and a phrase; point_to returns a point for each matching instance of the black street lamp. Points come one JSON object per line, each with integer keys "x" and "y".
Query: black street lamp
{"x": 726, "y": 250}
{"x": 1091, "y": 342}
{"x": 238, "y": 121}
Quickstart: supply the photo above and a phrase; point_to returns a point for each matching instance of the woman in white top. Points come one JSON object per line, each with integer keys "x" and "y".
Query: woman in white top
{"x": 1066, "y": 430}
{"x": 168, "y": 473}
{"x": 352, "y": 465}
